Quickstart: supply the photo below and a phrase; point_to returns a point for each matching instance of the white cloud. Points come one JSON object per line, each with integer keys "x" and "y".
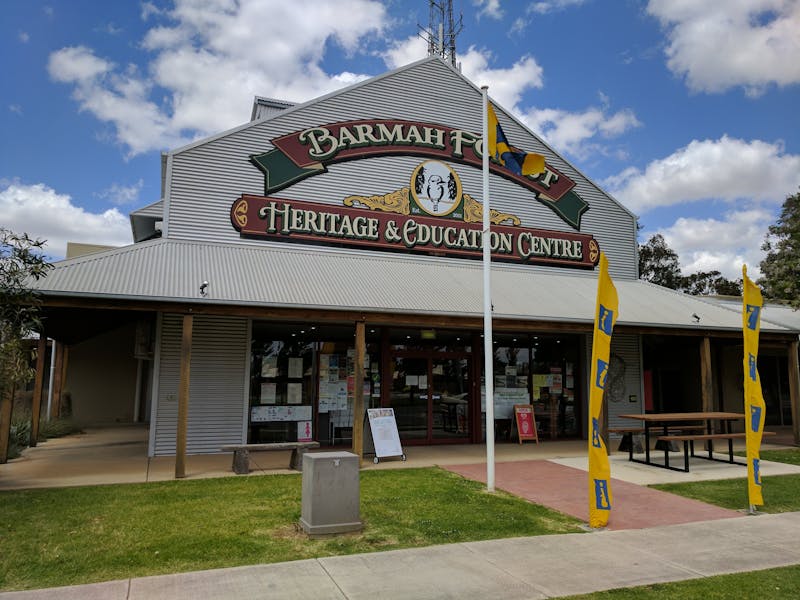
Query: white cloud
{"x": 727, "y": 169}
{"x": 722, "y": 244}
{"x": 15, "y": 108}
{"x": 210, "y": 59}
{"x": 404, "y": 52}
{"x": 109, "y": 28}
{"x": 43, "y": 213}
{"x": 720, "y": 45}
{"x": 571, "y": 132}
{"x": 24, "y": 37}
{"x": 489, "y": 8}
{"x": 552, "y": 6}
{"x": 506, "y": 86}
{"x": 576, "y": 133}
{"x": 77, "y": 64}
{"x": 122, "y": 194}
{"x": 117, "y": 98}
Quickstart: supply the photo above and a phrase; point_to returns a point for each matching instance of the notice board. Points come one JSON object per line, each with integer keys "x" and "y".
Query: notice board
{"x": 526, "y": 424}
{"x": 384, "y": 434}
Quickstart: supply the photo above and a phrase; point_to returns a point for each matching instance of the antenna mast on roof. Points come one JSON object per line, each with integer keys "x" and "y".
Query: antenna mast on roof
{"x": 442, "y": 31}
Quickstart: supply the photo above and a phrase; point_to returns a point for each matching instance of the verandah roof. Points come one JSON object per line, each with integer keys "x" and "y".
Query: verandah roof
{"x": 290, "y": 276}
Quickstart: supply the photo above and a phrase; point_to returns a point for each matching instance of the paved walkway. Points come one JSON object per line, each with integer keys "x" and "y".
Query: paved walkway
{"x": 565, "y": 489}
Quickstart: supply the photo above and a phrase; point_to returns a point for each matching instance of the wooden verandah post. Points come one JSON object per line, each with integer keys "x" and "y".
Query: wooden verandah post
{"x": 706, "y": 380}
{"x": 358, "y": 393}
{"x": 794, "y": 390}
{"x": 183, "y": 398}
{"x": 38, "y": 387}
{"x": 6, "y": 408}
{"x": 61, "y": 352}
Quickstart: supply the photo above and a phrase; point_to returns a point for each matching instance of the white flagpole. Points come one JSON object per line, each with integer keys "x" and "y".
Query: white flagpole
{"x": 488, "y": 349}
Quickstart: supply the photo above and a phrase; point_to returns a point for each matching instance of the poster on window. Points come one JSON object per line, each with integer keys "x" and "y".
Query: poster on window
{"x": 269, "y": 366}
{"x": 295, "y": 367}
{"x": 304, "y": 431}
{"x": 268, "y": 393}
{"x": 555, "y": 384}
{"x": 294, "y": 393}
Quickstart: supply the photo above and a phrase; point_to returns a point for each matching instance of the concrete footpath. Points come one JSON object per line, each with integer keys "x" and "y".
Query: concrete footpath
{"x": 529, "y": 568}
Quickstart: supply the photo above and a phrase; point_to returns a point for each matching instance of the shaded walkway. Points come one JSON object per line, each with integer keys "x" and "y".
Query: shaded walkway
{"x": 565, "y": 489}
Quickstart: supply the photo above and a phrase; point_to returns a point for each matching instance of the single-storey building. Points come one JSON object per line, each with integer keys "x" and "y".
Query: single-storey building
{"x": 357, "y": 216}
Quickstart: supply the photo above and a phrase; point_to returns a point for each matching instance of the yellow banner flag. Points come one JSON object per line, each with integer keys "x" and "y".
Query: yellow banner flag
{"x": 754, "y": 407}
{"x": 605, "y": 317}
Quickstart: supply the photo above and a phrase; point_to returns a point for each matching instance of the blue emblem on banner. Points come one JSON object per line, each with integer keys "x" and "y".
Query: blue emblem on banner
{"x": 602, "y": 371}
{"x": 755, "y": 418}
{"x": 601, "y": 500}
{"x": 751, "y": 361}
{"x": 596, "y": 433}
{"x": 752, "y": 316}
{"x": 605, "y": 320}
{"x": 756, "y": 471}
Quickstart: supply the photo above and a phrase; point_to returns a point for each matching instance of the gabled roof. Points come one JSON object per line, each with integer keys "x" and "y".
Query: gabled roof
{"x": 289, "y": 276}
{"x": 143, "y": 221}
{"x": 267, "y": 107}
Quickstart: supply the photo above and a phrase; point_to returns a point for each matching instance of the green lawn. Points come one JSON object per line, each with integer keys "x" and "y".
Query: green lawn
{"x": 791, "y": 455}
{"x": 770, "y": 584}
{"x": 781, "y": 493}
{"x": 78, "y": 535}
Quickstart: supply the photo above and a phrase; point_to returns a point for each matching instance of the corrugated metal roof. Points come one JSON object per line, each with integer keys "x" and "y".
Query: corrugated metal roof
{"x": 780, "y": 314}
{"x": 143, "y": 221}
{"x": 156, "y": 209}
{"x": 267, "y": 107}
{"x": 284, "y": 275}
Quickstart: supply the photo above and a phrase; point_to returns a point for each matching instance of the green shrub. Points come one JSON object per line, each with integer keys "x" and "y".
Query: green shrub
{"x": 20, "y": 432}
{"x": 57, "y": 428}
{"x": 19, "y": 437}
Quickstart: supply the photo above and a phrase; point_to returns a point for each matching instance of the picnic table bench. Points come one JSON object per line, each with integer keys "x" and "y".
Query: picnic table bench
{"x": 662, "y": 425}
{"x": 627, "y": 442}
{"x": 689, "y": 440}
{"x": 241, "y": 453}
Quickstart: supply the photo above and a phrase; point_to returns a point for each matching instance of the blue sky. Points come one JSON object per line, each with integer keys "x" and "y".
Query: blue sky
{"x": 686, "y": 111}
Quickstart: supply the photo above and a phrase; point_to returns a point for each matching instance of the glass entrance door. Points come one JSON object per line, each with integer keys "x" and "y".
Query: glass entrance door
{"x": 409, "y": 397}
{"x": 450, "y": 398}
{"x": 430, "y": 397}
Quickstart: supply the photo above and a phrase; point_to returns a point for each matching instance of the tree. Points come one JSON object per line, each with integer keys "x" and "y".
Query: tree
{"x": 780, "y": 270}
{"x": 21, "y": 260}
{"x": 658, "y": 263}
{"x": 710, "y": 283}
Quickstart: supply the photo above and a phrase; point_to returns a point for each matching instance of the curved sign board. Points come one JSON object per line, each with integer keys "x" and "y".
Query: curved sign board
{"x": 306, "y": 153}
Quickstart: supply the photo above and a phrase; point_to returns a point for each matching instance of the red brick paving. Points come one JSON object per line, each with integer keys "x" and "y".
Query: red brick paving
{"x": 565, "y": 489}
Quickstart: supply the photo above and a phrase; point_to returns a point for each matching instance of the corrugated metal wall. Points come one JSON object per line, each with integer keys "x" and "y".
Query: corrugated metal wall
{"x": 207, "y": 177}
{"x": 217, "y": 383}
{"x": 627, "y": 372}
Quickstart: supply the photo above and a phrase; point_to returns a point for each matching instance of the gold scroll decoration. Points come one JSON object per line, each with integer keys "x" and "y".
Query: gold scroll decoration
{"x": 394, "y": 202}
{"x": 473, "y": 213}
{"x": 398, "y": 202}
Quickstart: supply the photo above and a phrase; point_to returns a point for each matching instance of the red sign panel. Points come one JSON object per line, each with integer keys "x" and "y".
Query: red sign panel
{"x": 294, "y": 220}
{"x": 526, "y": 426}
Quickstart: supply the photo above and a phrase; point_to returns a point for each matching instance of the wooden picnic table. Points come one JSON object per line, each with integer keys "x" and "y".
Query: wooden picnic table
{"x": 703, "y": 420}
